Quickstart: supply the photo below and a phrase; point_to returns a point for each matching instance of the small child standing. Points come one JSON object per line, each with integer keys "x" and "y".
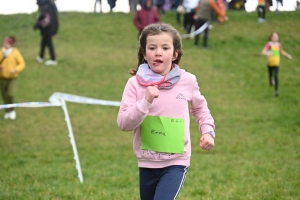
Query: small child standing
{"x": 272, "y": 50}
{"x": 261, "y": 11}
{"x": 11, "y": 64}
{"x": 155, "y": 106}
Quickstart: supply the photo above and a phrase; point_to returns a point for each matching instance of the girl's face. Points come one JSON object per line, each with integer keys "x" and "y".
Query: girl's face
{"x": 6, "y": 45}
{"x": 275, "y": 37}
{"x": 160, "y": 53}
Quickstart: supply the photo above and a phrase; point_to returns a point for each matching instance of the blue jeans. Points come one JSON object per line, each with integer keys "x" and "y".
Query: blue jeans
{"x": 162, "y": 183}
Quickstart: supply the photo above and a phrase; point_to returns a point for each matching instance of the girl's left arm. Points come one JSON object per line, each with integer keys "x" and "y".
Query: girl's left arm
{"x": 285, "y": 54}
{"x": 200, "y": 110}
{"x": 20, "y": 62}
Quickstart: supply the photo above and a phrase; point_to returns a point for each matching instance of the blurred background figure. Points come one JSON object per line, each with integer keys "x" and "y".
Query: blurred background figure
{"x": 179, "y": 10}
{"x": 112, "y": 4}
{"x": 160, "y": 6}
{"x": 277, "y": 5}
{"x": 47, "y": 22}
{"x": 203, "y": 16}
{"x": 261, "y": 11}
{"x": 189, "y": 7}
{"x": 133, "y": 5}
{"x": 95, "y": 5}
{"x": 11, "y": 64}
{"x": 148, "y": 14}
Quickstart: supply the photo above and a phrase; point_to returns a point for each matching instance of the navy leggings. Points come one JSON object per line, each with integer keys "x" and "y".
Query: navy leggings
{"x": 273, "y": 76}
{"x": 162, "y": 183}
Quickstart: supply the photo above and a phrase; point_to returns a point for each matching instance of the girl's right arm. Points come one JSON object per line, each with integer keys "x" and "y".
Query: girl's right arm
{"x": 132, "y": 110}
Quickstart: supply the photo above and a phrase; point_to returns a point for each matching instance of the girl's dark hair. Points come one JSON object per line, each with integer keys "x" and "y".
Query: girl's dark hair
{"x": 156, "y": 29}
{"x": 271, "y": 35}
{"x": 13, "y": 38}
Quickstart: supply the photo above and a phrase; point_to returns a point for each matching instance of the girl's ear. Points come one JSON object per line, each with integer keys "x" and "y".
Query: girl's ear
{"x": 175, "y": 56}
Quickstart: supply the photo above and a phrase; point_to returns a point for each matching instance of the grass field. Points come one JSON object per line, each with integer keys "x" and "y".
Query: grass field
{"x": 257, "y": 152}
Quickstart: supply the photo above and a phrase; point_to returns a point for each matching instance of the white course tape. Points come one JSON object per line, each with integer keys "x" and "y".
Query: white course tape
{"x": 57, "y": 96}
{"x": 60, "y": 99}
{"x": 197, "y": 32}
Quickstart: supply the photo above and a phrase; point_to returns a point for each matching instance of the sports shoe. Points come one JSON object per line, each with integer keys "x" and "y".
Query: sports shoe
{"x": 39, "y": 59}
{"x": 12, "y": 115}
{"x": 51, "y": 62}
{"x": 6, "y": 116}
{"x": 276, "y": 93}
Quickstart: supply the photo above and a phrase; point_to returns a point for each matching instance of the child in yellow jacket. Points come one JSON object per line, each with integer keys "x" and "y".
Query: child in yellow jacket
{"x": 11, "y": 64}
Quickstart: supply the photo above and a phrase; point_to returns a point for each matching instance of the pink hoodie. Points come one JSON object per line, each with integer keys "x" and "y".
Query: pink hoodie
{"x": 170, "y": 103}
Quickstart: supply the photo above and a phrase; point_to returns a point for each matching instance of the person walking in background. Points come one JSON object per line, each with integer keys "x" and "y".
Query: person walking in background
{"x": 146, "y": 15}
{"x": 162, "y": 142}
{"x": 188, "y": 20}
{"x": 47, "y": 22}
{"x": 160, "y": 6}
{"x": 261, "y": 11}
{"x": 11, "y": 64}
{"x": 100, "y": 5}
{"x": 133, "y": 5}
{"x": 272, "y": 50}
{"x": 112, "y": 4}
{"x": 179, "y": 10}
{"x": 203, "y": 15}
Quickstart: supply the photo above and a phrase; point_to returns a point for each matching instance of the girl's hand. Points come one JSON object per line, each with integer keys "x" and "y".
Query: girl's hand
{"x": 13, "y": 71}
{"x": 289, "y": 56}
{"x": 268, "y": 53}
{"x": 207, "y": 142}
{"x": 151, "y": 93}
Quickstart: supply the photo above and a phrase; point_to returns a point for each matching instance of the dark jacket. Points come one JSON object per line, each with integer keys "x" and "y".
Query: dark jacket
{"x": 47, "y": 21}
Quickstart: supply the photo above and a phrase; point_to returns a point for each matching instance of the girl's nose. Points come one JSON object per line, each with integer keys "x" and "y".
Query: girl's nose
{"x": 158, "y": 52}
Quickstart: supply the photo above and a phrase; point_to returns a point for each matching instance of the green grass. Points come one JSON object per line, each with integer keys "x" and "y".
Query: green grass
{"x": 258, "y": 136}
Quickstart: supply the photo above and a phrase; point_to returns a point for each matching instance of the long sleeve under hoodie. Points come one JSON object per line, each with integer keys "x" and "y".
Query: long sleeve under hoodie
{"x": 170, "y": 103}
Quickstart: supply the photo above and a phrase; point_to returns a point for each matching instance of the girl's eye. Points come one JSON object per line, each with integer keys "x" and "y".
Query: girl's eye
{"x": 166, "y": 48}
{"x": 151, "y": 48}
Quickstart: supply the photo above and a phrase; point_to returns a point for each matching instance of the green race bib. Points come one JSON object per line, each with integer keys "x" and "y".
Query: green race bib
{"x": 163, "y": 134}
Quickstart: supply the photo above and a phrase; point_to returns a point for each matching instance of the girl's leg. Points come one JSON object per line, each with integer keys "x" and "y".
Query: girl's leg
{"x": 148, "y": 182}
{"x": 276, "y": 71}
{"x": 270, "y": 75}
{"x": 7, "y": 90}
{"x": 170, "y": 182}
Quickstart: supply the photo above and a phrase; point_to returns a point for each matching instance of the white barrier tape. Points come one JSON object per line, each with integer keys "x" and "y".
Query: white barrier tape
{"x": 55, "y": 100}
{"x": 59, "y": 99}
{"x": 30, "y": 104}
{"x": 57, "y": 96}
{"x": 197, "y": 32}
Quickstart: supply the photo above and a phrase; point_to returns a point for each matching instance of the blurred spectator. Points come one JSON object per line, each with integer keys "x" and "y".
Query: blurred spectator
{"x": 189, "y": 21}
{"x": 100, "y": 3}
{"x": 269, "y": 3}
{"x": 133, "y": 5}
{"x": 261, "y": 11}
{"x": 148, "y": 14}
{"x": 47, "y": 22}
{"x": 203, "y": 16}
{"x": 160, "y": 6}
{"x": 11, "y": 64}
{"x": 179, "y": 10}
{"x": 112, "y": 4}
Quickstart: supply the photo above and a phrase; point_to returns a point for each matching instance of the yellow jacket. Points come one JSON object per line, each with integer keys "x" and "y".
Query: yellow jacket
{"x": 13, "y": 61}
